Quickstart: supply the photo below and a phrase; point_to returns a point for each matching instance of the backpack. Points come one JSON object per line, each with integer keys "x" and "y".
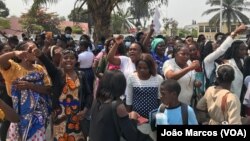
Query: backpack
{"x": 152, "y": 115}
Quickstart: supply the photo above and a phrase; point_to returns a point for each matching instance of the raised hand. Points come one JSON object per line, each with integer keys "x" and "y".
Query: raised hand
{"x": 21, "y": 54}
{"x": 119, "y": 39}
{"x": 240, "y": 29}
{"x": 195, "y": 64}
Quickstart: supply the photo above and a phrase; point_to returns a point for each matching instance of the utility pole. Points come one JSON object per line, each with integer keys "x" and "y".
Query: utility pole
{"x": 221, "y": 2}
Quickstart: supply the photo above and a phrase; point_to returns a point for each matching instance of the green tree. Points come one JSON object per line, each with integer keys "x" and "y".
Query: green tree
{"x": 77, "y": 29}
{"x": 231, "y": 12}
{"x": 183, "y": 32}
{"x": 38, "y": 20}
{"x": 4, "y": 23}
{"x": 78, "y": 15}
{"x": 100, "y": 13}
{"x": 144, "y": 9}
{"x": 4, "y": 11}
{"x": 120, "y": 21}
{"x": 170, "y": 24}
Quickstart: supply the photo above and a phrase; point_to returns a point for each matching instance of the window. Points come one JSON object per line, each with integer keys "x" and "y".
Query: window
{"x": 201, "y": 28}
{"x": 213, "y": 29}
{"x": 207, "y": 28}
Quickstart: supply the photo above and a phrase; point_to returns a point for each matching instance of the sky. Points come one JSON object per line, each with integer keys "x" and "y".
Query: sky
{"x": 183, "y": 11}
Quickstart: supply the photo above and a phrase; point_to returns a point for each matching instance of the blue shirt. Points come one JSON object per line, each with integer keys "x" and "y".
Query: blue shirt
{"x": 172, "y": 116}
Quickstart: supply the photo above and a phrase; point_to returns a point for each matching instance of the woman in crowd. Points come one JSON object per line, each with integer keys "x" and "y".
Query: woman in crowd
{"x": 158, "y": 49}
{"x": 235, "y": 57}
{"x": 109, "y": 118}
{"x": 143, "y": 87}
{"x": 180, "y": 68}
{"x": 29, "y": 86}
{"x": 71, "y": 97}
{"x": 85, "y": 60}
{"x": 222, "y": 105}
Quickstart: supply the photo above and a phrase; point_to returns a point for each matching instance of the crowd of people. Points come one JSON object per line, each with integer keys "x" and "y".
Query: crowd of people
{"x": 53, "y": 88}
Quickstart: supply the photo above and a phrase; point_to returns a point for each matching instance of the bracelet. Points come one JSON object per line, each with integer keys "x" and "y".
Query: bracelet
{"x": 2, "y": 115}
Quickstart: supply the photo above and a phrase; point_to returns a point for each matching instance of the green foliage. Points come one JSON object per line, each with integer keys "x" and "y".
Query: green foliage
{"x": 77, "y": 30}
{"x": 4, "y": 11}
{"x": 116, "y": 23}
{"x": 4, "y": 23}
{"x": 231, "y": 12}
{"x": 78, "y": 15}
{"x": 144, "y": 8}
{"x": 183, "y": 33}
{"x": 194, "y": 33}
{"x": 120, "y": 21}
{"x": 37, "y": 19}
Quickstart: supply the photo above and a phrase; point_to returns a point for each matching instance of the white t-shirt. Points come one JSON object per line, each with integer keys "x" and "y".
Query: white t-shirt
{"x": 86, "y": 59}
{"x": 186, "y": 82}
{"x": 126, "y": 66}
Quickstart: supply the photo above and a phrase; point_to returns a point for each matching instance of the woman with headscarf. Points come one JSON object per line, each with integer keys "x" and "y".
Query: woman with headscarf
{"x": 158, "y": 49}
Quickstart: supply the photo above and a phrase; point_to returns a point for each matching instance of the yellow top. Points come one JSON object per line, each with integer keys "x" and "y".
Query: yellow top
{"x": 17, "y": 71}
{"x": 2, "y": 115}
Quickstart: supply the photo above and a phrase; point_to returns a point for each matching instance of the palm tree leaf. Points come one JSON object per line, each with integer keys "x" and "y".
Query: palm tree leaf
{"x": 209, "y": 11}
{"x": 215, "y": 19}
{"x": 213, "y": 2}
{"x": 242, "y": 17}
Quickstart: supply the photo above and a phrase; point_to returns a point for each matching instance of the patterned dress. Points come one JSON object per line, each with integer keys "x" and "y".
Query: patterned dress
{"x": 32, "y": 107}
{"x": 67, "y": 125}
{"x": 143, "y": 95}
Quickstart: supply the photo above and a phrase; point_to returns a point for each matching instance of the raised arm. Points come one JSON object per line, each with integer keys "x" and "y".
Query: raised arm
{"x": 111, "y": 55}
{"x": 146, "y": 40}
{"x": 170, "y": 74}
{"x": 209, "y": 60}
{"x": 4, "y": 58}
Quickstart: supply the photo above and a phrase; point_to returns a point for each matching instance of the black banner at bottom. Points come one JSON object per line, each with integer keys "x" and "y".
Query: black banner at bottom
{"x": 214, "y": 132}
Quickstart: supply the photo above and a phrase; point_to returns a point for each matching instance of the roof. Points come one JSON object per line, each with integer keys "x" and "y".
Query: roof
{"x": 15, "y": 27}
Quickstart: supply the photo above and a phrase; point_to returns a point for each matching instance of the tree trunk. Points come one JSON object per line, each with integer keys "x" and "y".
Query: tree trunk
{"x": 101, "y": 15}
{"x": 228, "y": 23}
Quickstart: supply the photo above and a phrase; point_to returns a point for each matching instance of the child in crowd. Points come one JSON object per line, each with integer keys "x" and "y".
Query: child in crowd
{"x": 172, "y": 111}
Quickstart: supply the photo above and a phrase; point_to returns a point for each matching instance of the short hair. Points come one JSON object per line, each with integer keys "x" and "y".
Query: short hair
{"x": 172, "y": 85}
{"x": 111, "y": 86}
{"x": 13, "y": 39}
{"x": 148, "y": 59}
{"x": 83, "y": 43}
{"x": 140, "y": 45}
{"x": 224, "y": 73}
{"x": 138, "y": 36}
{"x": 219, "y": 37}
{"x": 68, "y": 28}
{"x": 178, "y": 47}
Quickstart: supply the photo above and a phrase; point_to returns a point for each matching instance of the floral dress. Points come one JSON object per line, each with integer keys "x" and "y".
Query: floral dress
{"x": 32, "y": 107}
{"x": 67, "y": 124}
